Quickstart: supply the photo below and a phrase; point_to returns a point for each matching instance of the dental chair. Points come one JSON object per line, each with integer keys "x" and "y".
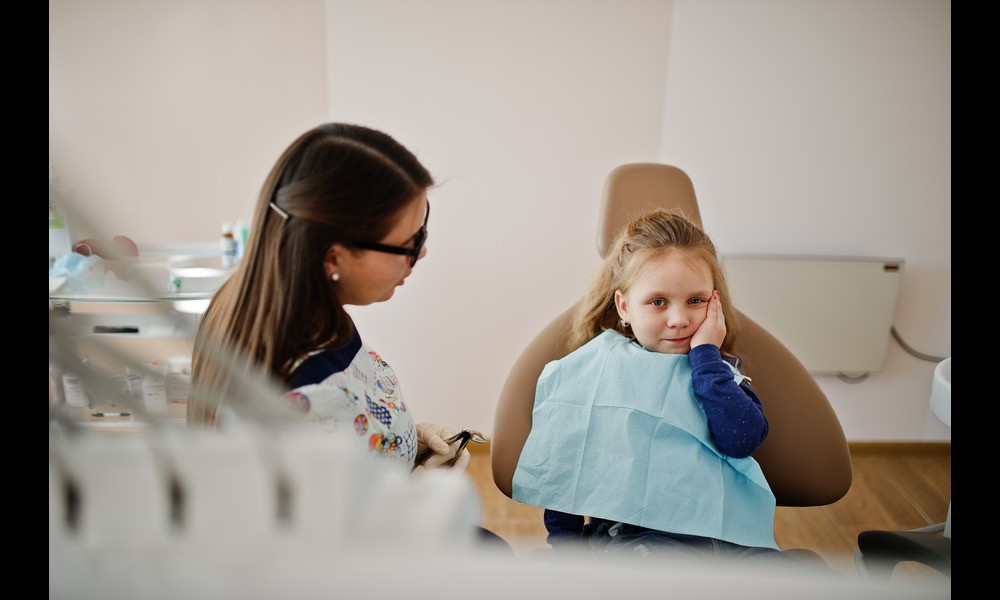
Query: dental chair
{"x": 805, "y": 458}
{"x": 880, "y": 551}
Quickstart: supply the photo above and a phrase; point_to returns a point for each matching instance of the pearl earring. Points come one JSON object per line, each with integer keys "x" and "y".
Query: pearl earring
{"x": 624, "y": 324}
{"x": 335, "y": 276}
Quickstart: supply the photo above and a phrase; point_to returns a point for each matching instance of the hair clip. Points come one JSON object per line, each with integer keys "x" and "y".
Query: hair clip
{"x": 283, "y": 214}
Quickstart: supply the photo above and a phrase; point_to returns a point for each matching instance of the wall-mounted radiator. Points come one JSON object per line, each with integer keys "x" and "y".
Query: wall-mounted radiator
{"x": 834, "y": 313}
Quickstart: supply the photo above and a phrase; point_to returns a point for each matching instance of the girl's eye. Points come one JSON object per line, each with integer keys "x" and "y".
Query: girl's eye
{"x": 658, "y": 302}
{"x": 696, "y": 300}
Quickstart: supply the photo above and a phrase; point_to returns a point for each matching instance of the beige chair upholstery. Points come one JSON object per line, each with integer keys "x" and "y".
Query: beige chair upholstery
{"x": 805, "y": 457}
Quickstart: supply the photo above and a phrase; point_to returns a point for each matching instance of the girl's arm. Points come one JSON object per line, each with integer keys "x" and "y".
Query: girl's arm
{"x": 735, "y": 414}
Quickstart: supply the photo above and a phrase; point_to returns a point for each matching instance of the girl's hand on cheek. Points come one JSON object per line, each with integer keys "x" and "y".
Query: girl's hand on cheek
{"x": 713, "y": 328}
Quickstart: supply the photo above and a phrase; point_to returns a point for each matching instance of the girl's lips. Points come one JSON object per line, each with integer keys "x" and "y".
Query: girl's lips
{"x": 679, "y": 340}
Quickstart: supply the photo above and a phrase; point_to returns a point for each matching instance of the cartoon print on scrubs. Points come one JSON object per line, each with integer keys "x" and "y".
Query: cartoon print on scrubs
{"x": 391, "y": 400}
{"x": 361, "y": 424}
{"x": 385, "y": 380}
{"x": 381, "y": 422}
{"x": 299, "y": 403}
{"x": 384, "y": 445}
{"x": 349, "y": 394}
{"x": 381, "y": 413}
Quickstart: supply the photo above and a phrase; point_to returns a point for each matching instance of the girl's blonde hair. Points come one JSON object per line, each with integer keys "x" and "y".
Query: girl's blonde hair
{"x": 647, "y": 238}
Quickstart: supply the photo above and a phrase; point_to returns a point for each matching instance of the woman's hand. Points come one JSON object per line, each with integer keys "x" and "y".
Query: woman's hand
{"x": 433, "y": 436}
{"x": 713, "y": 328}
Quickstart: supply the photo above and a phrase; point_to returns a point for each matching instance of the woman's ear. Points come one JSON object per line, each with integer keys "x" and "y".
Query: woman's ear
{"x": 333, "y": 258}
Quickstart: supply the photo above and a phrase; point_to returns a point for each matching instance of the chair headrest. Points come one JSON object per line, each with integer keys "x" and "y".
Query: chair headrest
{"x": 635, "y": 188}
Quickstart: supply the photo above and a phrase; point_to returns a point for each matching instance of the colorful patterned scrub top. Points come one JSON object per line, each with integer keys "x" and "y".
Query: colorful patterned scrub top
{"x": 351, "y": 388}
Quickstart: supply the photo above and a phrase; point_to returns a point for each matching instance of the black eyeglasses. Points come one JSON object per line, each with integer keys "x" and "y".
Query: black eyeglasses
{"x": 413, "y": 252}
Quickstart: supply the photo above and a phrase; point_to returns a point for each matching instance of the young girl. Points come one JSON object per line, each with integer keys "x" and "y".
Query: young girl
{"x": 648, "y": 425}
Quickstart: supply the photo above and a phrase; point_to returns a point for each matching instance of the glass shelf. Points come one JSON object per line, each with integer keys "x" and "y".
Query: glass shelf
{"x": 97, "y": 296}
{"x": 177, "y": 273}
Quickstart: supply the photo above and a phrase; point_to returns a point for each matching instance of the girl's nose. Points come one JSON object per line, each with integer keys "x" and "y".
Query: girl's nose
{"x": 676, "y": 318}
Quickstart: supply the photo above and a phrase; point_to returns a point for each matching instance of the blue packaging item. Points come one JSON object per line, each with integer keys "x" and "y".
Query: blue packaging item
{"x": 82, "y": 273}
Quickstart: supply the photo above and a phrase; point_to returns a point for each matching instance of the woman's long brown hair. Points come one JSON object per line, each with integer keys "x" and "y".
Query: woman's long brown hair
{"x": 335, "y": 183}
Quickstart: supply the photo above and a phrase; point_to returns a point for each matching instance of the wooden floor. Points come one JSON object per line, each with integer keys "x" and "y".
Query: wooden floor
{"x": 895, "y": 487}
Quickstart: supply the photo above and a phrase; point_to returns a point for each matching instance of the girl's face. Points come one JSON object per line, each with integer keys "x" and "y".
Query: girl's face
{"x": 667, "y": 302}
{"x": 369, "y": 276}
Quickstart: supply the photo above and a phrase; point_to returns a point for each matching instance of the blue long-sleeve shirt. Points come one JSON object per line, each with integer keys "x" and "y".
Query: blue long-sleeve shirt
{"x": 735, "y": 419}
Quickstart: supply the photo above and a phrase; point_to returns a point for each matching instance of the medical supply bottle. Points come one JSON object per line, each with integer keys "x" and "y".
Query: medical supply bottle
{"x": 59, "y": 240}
{"x": 228, "y": 245}
{"x": 241, "y": 233}
{"x": 70, "y": 366}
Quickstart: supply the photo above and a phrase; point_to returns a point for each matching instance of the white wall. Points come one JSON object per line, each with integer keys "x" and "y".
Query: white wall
{"x": 166, "y": 116}
{"x": 824, "y": 127}
{"x": 520, "y": 108}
